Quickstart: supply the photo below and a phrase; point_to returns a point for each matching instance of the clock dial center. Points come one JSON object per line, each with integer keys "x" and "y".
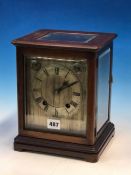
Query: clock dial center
{"x": 50, "y": 93}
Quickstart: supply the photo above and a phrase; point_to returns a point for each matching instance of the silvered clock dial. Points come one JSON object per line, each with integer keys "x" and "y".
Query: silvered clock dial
{"x": 56, "y": 93}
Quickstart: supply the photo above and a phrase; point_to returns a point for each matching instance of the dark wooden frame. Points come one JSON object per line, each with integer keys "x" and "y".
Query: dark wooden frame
{"x": 88, "y": 148}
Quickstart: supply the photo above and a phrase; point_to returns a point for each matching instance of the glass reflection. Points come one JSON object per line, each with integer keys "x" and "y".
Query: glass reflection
{"x": 67, "y": 37}
{"x": 103, "y": 88}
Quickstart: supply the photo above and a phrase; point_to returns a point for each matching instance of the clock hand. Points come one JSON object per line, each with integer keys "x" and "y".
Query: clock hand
{"x": 65, "y": 83}
{"x": 58, "y": 90}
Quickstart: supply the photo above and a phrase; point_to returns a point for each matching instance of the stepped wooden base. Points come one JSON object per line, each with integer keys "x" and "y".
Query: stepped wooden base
{"x": 90, "y": 153}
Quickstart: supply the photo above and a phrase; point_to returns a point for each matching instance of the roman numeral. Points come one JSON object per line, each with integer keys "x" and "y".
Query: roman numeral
{"x": 67, "y": 74}
{"x": 38, "y": 78}
{"x": 56, "y": 113}
{"x": 74, "y": 104}
{"x": 38, "y": 99}
{"x": 46, "y": 108}
{"x": 76, "y": 93}
{"x": 66, "y": 111}
{"x": 45, "y": 71}
{"x": 57, "y": 70}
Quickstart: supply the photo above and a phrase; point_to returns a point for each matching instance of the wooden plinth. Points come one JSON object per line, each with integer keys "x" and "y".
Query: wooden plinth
{"x": 90, "y": 153}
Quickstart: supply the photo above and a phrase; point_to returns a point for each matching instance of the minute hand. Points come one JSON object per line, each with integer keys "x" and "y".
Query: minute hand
{"x": 66, "y": 86}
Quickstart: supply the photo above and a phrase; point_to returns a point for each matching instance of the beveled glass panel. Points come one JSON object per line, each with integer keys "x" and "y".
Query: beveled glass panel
{"x": 67, "y": 37}
{"x": 56, "y": 95}
{"x": 103, "y": 88}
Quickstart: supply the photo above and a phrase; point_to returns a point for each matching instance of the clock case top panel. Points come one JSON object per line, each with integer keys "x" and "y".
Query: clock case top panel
{"x": 93, "y": 41}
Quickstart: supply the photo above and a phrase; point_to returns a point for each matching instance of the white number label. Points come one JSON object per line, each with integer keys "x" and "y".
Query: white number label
{"x": 53, "y": 124}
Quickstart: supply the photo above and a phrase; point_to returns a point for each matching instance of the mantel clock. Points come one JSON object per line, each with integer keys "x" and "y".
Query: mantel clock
{"x": 64, "y": 93}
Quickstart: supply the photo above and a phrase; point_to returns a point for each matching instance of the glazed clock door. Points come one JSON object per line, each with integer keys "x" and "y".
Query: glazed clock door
{"x": 56, "y": 95}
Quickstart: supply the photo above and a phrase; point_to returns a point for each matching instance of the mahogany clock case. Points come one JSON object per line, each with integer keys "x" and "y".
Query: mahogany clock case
{"x": 87, "y": 147}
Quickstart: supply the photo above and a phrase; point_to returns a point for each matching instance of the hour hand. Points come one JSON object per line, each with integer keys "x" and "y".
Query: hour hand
{"x": 65, "y": 83}
{"x": 64, "y": 86}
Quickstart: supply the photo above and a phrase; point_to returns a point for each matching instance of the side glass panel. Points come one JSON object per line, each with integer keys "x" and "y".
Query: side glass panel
{"x": 103, "y": 88}
{"x": 56, "y": 93}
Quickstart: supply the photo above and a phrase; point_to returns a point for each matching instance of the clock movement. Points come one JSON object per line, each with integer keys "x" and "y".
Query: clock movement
{"x": 64, "y": 93}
